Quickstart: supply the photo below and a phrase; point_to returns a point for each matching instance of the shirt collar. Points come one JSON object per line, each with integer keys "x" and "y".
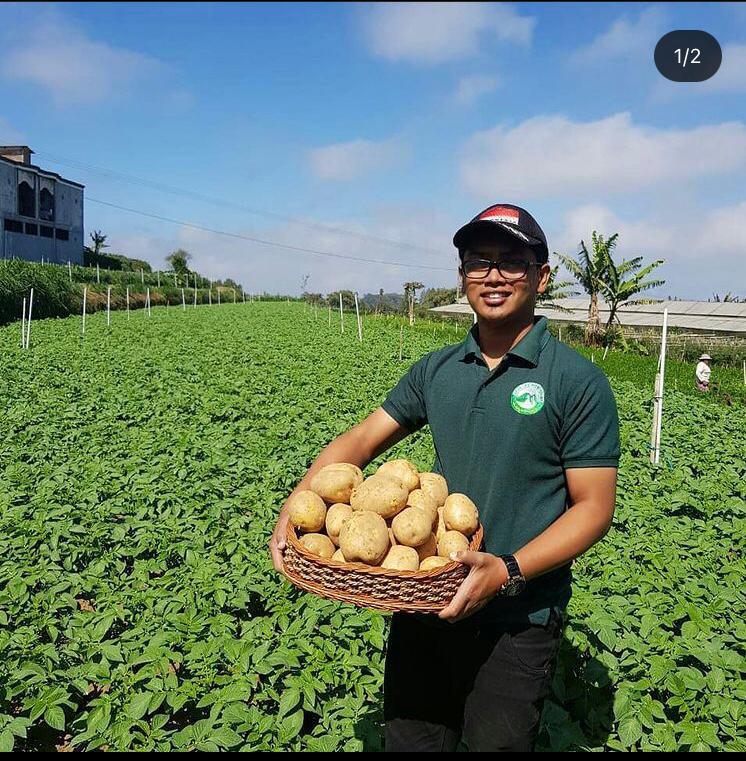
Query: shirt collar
{"x": 528, "y": 348}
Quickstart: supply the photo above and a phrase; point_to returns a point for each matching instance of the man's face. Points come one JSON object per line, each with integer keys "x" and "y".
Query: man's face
{"x": 507, "y": 295}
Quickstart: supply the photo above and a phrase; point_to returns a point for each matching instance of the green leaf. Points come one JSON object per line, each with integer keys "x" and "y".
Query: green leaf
{"x": 55, "y": 717}
{"x": 225, "y": 737}
{"x": 630, "y": 731}
{"x": 288, "y": 701}
{"x": 138, "y": 705}
{"x": 290, "y": 727}
{"x": 6, "y": 741}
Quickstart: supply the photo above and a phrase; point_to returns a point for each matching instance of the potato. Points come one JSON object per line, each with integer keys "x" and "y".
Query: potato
{"x": 429, "y": 564}
{"x": 412, "y": 527}
{"x": 428, "y": 549}
{"x": 435, "y": 486}
{"x": 441, "y": 525}
{"x": 378, "y": 494}
{"x": 339, "y": 557}
{"x": 364, "y": 538}
{"x": 403, "y": 470}
{"x": 419, "y": 498}
{"x": 452, "y": 541}
{"x": 307, "y": 511}
{"x": 319, "y": 544}
{"x": 336, "y": 515}
{"x": 402, "y": 559}
{"x": 460, "y": 514}
{"x": 334, "y": 483}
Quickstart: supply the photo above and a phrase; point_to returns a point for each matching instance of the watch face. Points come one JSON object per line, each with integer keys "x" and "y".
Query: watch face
{"x": 514, "y": 587}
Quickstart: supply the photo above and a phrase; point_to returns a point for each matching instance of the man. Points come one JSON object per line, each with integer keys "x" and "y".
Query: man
{"x": 703, "y": 373}
{"x": 528, "y": 429}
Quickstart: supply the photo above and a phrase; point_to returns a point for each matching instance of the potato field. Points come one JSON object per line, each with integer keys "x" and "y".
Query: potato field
{"x": 141, "y": 471}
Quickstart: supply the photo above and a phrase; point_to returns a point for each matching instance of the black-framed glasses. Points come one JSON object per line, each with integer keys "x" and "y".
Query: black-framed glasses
{"x": 509, "y": 269}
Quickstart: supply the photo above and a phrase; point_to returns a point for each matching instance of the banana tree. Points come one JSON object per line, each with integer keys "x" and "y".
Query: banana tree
{"x": 589, "y": 271}
{"x": 555, "y": 290}
{"x": 619, "y": 292}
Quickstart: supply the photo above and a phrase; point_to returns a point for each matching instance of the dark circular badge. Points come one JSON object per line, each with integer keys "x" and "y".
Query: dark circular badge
{"x": 688, "y": 55}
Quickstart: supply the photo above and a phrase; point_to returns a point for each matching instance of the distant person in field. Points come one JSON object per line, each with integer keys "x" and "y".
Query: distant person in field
{"x": 703, "y": 373}
{"x": 528, "y": 429}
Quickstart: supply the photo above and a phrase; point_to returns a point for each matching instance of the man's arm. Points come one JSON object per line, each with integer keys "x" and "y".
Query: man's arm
{"x": 359, "y": 446}
{"x": 591, "y": 494}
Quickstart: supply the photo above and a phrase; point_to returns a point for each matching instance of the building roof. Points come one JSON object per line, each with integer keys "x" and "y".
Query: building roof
{"x": 45, "y": 172}
{"x": 711, "y": 316}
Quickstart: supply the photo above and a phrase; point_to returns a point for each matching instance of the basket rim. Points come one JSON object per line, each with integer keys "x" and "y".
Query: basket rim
{"x": 348, "y": 567}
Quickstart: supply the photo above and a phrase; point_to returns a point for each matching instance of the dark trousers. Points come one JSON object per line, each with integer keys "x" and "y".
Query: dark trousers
{"x": 476, "y": 683}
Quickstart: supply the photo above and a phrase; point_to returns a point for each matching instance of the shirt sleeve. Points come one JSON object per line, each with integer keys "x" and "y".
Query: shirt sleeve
{"x": 406, "y": 401}
{"x": 590, "y": 428}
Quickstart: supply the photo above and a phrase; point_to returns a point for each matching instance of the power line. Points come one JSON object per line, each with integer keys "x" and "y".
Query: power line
{"x": 264, "y": 242}
{"x": 143, "y": 182}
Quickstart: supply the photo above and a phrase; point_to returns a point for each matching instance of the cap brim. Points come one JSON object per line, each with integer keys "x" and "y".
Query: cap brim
{"x": 483, "y": 228}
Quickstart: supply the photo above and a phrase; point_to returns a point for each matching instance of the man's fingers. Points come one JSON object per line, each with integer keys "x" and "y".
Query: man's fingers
{"x": 457, "y": 604}
{"x": 468, "y": 558}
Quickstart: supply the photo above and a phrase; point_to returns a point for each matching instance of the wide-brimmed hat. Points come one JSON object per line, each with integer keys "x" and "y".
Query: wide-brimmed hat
{"x": 705, "y": 356}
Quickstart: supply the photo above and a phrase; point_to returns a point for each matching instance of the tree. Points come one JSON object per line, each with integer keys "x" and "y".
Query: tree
{"x": 618, "y": 292}
{"x": 589, "y": 271}
{"x": 410, "y": 290}
{"x": 99, "y": 242}
{"x": 179, "y": 260}
{"x": 348, "y": 299}
{"x": 437, "y": 297}
{"x": 554, "y": 291}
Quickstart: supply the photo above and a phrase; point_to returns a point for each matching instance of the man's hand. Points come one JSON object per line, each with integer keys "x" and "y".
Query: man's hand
{"x": 486, "y": 575}
{"x": 277, "y": 542}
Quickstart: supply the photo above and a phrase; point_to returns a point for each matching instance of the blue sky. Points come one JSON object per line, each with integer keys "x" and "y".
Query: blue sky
{"x": 377, "y": 130}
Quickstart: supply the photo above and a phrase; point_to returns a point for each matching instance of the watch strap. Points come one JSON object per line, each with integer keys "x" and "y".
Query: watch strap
{"x": 514, "y": 570}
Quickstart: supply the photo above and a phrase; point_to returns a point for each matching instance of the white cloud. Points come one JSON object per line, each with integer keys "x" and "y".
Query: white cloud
{"x": 704, "y": 250}
{"x": 431, "y": 33}
{"x": 625, "y": 38}
{"x": 552, "y": 155}
{"x": 71, "y": 67}
{"x": 470, "y": 89}
{"x": 275, "y": 270}
{"x": 731, "y": 77}
{"x": 357, "y": 158}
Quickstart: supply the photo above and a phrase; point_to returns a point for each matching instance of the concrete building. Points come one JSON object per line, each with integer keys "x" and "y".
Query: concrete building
{"x": 41, "y": 212}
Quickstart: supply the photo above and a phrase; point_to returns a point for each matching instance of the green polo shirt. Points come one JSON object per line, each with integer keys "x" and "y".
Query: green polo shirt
{"x": 506, "y": 437}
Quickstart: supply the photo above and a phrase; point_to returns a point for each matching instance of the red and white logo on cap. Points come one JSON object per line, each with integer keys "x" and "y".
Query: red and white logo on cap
{"x": 501, "y": 214}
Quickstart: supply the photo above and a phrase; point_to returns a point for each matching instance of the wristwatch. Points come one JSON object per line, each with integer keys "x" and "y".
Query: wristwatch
{"x": 516, "y": 583}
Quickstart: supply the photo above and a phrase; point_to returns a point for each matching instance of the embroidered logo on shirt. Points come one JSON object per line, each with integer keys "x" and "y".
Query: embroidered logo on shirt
{"x": 527, "y": 399}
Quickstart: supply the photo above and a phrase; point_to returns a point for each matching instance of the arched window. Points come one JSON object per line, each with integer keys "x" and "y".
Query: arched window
{"x": 46, "y": 199}
{"x": 26, "y": 194}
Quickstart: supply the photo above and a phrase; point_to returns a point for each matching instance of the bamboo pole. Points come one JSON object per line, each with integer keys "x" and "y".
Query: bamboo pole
{"x": 195, "y": 295}
{"x": 70, "y": 270}
{"x": 401, "y": 341}
{"x": 128, "y": 303}
{"x": 183, "y": 301}
{"x": 159, "y": 278}
{"x": 108, "y": 305}
{"x": 341, "y": 313}
{"x": 150, "y": 314}
{"x": 98, "y": 274}
{"x": 330, "y": 315}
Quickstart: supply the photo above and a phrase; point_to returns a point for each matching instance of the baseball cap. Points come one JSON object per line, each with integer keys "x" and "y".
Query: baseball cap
{"x": 514, "y": 220}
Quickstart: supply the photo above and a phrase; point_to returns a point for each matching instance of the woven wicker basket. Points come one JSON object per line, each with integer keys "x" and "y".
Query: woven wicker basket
{"x": 374, "y": 587}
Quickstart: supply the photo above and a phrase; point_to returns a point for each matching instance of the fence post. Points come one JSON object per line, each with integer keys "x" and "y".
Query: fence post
{"x": 359, "y": 324}
{"x": 98, "y": 274}
{"x": 108, "y": 305}
{"x": 341, "y": 313}
{"x": 183, "y": 301}
{"x": 85, "y": 298}
{"x": 23, "y": 324}
{"x": 70, "y": 270}
{"x": 128, "y": 303}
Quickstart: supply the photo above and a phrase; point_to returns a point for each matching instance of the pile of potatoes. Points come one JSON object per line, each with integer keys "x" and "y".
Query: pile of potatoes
{"x": 398, "y": 518}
